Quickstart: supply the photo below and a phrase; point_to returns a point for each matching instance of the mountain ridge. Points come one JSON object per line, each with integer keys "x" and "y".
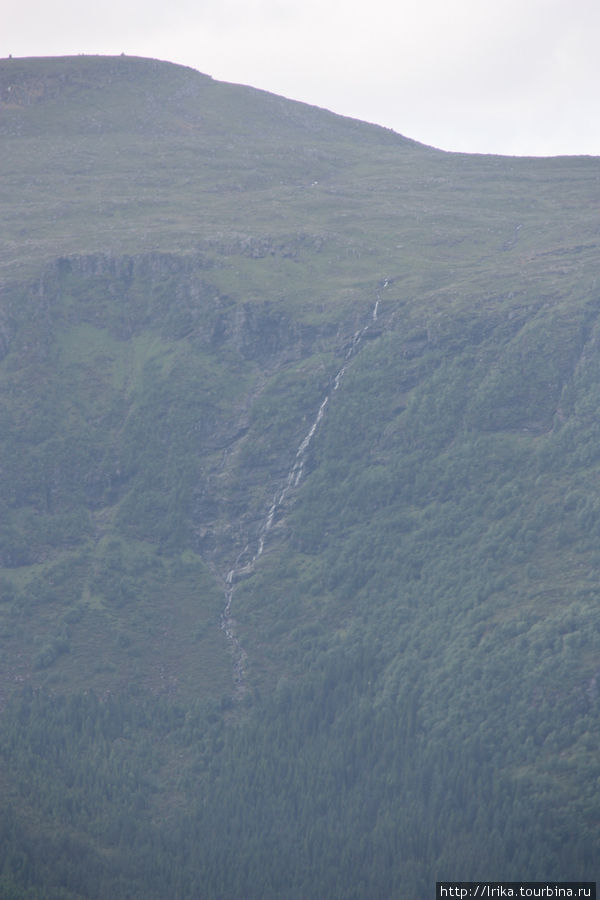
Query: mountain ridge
{"x": 70, "y": 74}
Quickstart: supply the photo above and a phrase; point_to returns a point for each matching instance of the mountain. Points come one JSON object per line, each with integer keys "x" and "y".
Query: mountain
{"x": 299, "y": 504}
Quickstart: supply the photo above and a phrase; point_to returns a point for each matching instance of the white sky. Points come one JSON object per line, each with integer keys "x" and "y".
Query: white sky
{"x": 508, "y": 76}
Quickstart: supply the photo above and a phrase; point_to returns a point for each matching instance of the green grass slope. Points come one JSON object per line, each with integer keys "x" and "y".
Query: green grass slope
{"x": 405, "y": 686}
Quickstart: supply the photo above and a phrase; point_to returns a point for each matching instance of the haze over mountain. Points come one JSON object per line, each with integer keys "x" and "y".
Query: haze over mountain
{"x": 299, "y": 505}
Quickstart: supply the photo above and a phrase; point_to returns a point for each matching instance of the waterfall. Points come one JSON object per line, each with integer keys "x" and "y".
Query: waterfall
{"x": 292, "y": 480}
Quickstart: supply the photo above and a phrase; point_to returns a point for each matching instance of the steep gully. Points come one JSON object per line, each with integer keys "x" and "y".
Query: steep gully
{"x": 246, "y": 559}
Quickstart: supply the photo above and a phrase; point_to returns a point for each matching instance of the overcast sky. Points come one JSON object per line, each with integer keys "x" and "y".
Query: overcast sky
{"x": 483, "y": 76}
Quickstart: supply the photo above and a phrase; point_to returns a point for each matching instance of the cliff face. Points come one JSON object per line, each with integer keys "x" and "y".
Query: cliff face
{"x": 174, "y": 296}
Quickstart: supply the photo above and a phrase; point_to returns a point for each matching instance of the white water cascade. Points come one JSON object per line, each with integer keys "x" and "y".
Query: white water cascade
{"x": 240, "y": 569}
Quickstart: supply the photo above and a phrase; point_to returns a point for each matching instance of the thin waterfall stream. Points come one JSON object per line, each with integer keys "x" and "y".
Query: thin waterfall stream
{"x": 292, "y": 480}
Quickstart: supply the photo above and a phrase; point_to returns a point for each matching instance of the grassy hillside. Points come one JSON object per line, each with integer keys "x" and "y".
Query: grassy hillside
{"x": 298, "y": 498}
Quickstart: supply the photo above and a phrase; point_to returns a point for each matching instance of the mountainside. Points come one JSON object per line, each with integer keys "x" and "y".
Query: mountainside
{"x": 299, "y": 505}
